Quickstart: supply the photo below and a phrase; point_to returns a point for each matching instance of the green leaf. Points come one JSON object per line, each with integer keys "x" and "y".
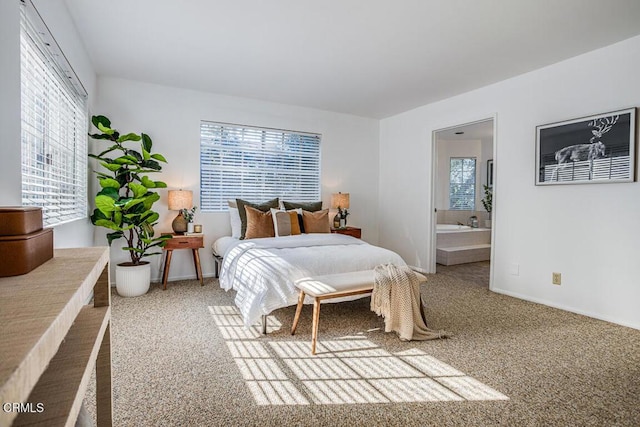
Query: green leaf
{"x": 106, "y": 204}
{"x": 114, "y": 236}
{"x": 111, "y": 192}
{"x": 146, "y": 142}
{"x": 129, "y": 137}
{"x": 152, "y": 218}
{"x": 99, "y": 136}
{"x": 101, "y": 120}
{"x": 159, "y": 157}
{"x": 139, "y": 190}
{"x": 109, "y": 182}
{"x": 97, "y": 215}
{"x": 111, "y": 166}
{"x": 150, "y": 200}
{"x": 117, "y": 218}
{"x": 124, "y": 160}
{"x": 107, "y": 224}
{"x": 134, "y": 154}
{"x": 131, "y": 203}
{"x": 151, "y": 164}
{"x": 105, "y": 129}
{"x": 145, "y": 154}
{"x": 160, "y": 184}
{"x": 147, "y": 182}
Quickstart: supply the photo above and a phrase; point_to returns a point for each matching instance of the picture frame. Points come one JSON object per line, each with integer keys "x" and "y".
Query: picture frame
{"x": 595, "y": 149}
{"x": 490, "y": 173}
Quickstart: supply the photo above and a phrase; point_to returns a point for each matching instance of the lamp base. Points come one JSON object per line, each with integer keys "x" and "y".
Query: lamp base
{"x": 179, "y": 224}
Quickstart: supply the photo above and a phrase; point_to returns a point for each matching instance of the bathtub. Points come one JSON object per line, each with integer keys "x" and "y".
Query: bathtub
{"x": 451, "y": 227}
{"x": 457, "y": 244}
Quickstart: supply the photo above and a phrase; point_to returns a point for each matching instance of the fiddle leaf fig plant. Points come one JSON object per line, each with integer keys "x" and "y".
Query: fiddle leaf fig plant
{"x": 125, "y": 201}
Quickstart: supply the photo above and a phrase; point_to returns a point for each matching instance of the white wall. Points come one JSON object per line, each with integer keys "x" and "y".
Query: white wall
{"x": 172, "y": 118}
{"x": 54, "y": 12}
{"x": 589, "y": 233}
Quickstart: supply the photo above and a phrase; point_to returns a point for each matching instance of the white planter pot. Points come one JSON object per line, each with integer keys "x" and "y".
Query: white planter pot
{"x": 487, "y": 223}
{"x": 190, "y": 227}
{"x": 134, "y": 280}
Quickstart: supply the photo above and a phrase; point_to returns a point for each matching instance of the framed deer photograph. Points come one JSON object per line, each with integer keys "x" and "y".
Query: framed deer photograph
{"x": 594, "y": 149}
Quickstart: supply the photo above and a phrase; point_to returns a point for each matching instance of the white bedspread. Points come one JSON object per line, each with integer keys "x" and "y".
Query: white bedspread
{"x": 263, "y": 271}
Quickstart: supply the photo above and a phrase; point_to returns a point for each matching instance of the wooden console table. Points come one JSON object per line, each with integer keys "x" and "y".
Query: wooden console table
{"x": 51, "y": 341}
{"x": 180, "y": 241}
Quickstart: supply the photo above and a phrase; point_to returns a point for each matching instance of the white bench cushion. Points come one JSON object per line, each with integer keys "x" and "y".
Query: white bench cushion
{"x": 336, "y": 283}
{"x": 339, "y": 283}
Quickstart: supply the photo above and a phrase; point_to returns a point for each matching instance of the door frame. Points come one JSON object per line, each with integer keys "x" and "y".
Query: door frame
{"x": 434, "y": 176}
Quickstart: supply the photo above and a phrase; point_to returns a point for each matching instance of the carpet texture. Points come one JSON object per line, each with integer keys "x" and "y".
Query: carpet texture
{"x": 180, "y": 358}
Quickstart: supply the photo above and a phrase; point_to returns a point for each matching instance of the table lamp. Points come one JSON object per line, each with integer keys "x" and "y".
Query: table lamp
{"x": 178, "y": 200}
{"x": 340, "y": 201}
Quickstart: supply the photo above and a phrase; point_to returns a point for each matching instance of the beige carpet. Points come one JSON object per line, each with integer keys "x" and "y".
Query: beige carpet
{"x": 180, "y": 358}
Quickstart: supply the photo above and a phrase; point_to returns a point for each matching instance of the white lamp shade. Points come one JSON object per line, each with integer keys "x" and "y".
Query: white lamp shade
{"x": 180, "y": 199}
{"x": 340, "y": 200}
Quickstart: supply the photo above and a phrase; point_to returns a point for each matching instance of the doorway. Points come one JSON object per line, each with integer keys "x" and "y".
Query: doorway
{"x": 463, "y": 193}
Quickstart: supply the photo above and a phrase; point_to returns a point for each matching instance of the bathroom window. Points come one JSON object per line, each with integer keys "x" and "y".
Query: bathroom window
{"x": 462, "y": 184}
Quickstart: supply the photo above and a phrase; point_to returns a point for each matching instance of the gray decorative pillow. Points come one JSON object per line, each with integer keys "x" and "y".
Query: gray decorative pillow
{"x": 305, "y": 206}
{"x": 264, "y": 207}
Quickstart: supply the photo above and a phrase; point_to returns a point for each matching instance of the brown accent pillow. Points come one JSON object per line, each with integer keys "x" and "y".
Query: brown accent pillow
{"x": 259, "y": 224}
{"x": 285, "y": 223}
{"x": 305, "y": 206}
{"x": 264, "y": 207}
{"x": 316, "y": 222}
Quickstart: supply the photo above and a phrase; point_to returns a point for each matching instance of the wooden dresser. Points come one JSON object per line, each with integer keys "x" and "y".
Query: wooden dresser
{"x": 50, "y": 340}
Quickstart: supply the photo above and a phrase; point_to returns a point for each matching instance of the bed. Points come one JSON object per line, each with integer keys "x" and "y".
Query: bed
{"x": 263, "y": 271}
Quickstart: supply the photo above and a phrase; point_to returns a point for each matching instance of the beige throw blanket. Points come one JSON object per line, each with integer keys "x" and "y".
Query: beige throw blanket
{"x": 396, "y": 297}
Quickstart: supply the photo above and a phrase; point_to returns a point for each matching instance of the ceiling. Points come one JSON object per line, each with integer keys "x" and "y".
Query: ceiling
{"x": 371, "y": 58}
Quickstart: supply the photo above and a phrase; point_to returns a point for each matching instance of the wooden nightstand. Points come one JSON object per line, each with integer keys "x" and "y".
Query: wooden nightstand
{"x": 349, "y": 231}
{"x": 179, "y": 241}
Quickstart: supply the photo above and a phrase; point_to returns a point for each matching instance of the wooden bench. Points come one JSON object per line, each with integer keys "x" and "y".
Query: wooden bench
{"x": 333, "y": 286}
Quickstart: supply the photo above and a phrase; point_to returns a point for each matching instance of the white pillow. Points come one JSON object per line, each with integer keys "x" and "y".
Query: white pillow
{"x": 236, "y": 223}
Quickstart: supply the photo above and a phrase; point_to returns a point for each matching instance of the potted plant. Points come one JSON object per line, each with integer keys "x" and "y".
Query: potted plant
{"x": 487, "y": 202}
{"x": 124, "y": 203}
{"x": 188, "y": 214}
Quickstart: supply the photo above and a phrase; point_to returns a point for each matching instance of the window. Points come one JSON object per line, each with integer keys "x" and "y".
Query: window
{"x": 54, "y": 127}
{"x": 462, "y": 184}
{"x": 256, "y": 164}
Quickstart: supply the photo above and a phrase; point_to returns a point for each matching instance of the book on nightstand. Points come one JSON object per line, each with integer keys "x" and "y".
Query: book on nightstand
{"x": 194, "y": 234}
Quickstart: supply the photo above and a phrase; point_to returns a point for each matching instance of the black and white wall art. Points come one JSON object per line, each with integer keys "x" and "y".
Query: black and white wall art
{"x": 595, "y": 149}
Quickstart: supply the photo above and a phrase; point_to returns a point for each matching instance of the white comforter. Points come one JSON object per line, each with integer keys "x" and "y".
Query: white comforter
{"x": 263, "y": 271}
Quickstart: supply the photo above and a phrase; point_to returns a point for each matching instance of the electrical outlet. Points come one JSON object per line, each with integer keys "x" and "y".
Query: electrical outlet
{"x": 556, "y": 278}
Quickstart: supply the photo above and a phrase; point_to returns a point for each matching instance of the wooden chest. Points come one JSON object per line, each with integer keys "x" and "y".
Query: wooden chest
{"x": 18, "y": 220}
{"x": 21, "y": 254}
{"x": 24, "y": 245}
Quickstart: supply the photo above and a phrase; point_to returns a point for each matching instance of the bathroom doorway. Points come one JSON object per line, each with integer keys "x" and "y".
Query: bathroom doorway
{"x": 463, "y": 189}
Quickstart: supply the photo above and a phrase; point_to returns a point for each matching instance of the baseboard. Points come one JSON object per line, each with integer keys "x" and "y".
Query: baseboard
{"x": 565, "y": 308}
{"x": 172, "y": 278}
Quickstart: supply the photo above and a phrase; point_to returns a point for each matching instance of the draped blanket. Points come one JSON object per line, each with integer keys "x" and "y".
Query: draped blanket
{"x": 396, "y": 297}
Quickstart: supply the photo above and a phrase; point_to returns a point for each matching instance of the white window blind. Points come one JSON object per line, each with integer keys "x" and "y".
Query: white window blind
{"x": 462, "y": 183}
{"x": 256, "y": 164}
{"x": 54, "y": 127}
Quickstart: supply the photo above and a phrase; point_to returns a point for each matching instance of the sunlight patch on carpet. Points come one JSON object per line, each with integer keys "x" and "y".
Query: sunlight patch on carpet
{"x": 350, "y": 370}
